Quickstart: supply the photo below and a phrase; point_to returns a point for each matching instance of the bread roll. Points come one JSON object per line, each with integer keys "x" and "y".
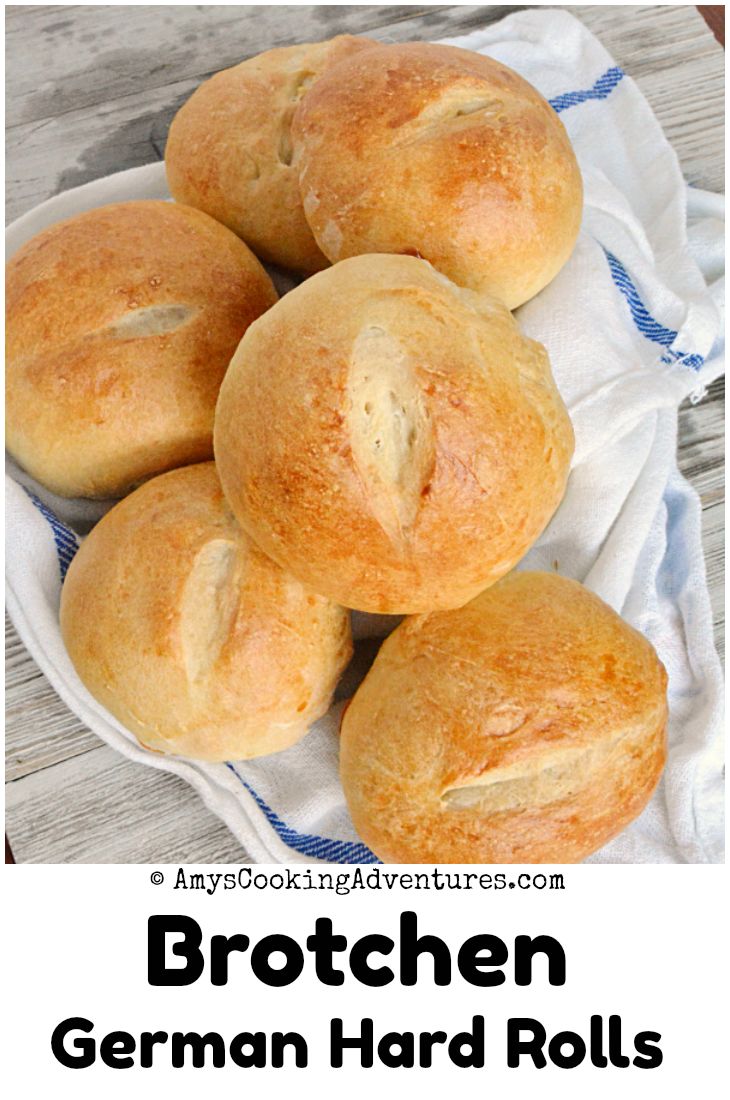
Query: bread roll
{"x": 229, "y": 149}
{"x": 120, "y": 325}
{"x": 443, "y": 153}
{"x": 526, "y": 727}
{"x": 189, "y": 635}
{"x": 392, "y": 440}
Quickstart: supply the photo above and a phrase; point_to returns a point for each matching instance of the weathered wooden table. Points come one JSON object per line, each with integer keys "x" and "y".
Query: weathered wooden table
{"x": 92, "y": 90}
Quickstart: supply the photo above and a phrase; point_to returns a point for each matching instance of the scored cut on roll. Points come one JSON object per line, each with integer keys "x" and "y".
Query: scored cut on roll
{"x": 189, "y": 635}
{"x": 229, "y": 149}
{"x": 120, "y": 324}
{"x": 526, "y": 727}
{"x": 444, "y": 153}
{"x": 391, "y": 439}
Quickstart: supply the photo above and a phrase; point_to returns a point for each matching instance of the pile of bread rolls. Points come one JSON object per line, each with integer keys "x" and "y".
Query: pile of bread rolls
{"x": 384, "y": 439}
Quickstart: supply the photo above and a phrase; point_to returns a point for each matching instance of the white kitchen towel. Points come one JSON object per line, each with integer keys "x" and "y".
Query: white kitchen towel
{"x": 633, "y": 325}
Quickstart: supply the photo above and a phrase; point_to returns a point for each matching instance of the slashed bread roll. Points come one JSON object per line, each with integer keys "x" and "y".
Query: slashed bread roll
{"x": 229, "y": 149}
{"x": 444, "y": 153}
{"x": 189, "y": 635}
{"x": 526, "y": 727}
{"x": 391, "y": 439}
{"x": 120, "y": 325}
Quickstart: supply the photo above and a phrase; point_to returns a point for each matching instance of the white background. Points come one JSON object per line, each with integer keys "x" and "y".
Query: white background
{"x": 645, "y": 942}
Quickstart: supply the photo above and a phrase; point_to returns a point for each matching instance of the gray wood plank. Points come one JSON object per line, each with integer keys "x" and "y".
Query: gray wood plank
{"x": 102, "y": 808}
{"x": 41, "y": 730}
{"x": 90, "y": 92}
{"x": 701, "y": 458}
{"x": 88, "y": 58}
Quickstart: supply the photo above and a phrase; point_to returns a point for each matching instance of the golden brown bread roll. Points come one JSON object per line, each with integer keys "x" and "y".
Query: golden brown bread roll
{"x": 444, "y": 153}
{"x": 392, "y": 440}
{"x": 189, "y": 635}
{"x": 526, "y": 727}
{"x": 120, "y": 325}
{"x": 229, "y": 149}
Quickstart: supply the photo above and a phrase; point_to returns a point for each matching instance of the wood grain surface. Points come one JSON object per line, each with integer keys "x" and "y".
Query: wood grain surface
{"x": 92, "y": 90}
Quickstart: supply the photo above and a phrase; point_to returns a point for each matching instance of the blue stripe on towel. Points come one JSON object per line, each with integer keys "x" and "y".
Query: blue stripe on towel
{"x": 318, "y": 847}
{"x": 600, "y": 90}
{"x": 647, "y": 325}
{"x": 65, "y": 540}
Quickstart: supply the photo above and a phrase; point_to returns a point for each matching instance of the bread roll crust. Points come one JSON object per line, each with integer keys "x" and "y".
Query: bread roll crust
{"x": 120, "y": 325}
{"x": 392, "y": 440}
{"x": 526, "y": 727}
{"x": 189, "y": 635}
{"x": 444, "y": 153}
{"x": 229, "y": 149}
